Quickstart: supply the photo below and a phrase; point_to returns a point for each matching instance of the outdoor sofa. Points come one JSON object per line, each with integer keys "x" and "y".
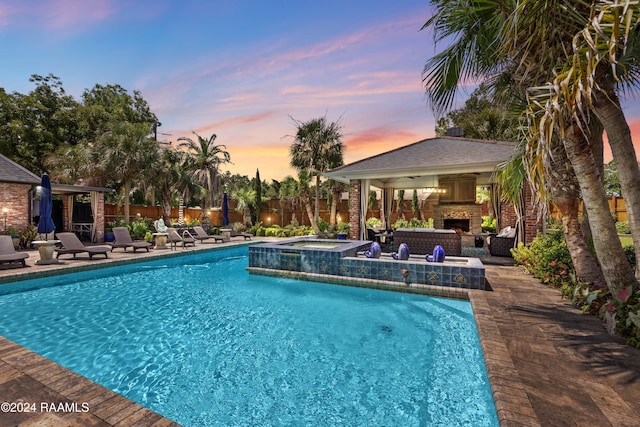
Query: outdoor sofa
{"x": 421, "y": 241}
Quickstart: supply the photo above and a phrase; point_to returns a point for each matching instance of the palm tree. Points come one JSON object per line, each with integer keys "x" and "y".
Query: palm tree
{"x": 204, "y": 161}
{"x": 288, "y": 196}
{"x": 517, "y": 43}
{"x": 246, "y": 197}
{"x": 317, "y": 147}
{"x": 125, "y": 154}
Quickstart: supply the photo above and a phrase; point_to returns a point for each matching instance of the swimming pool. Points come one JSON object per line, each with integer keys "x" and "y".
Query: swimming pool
{"x": 202, "y": 342}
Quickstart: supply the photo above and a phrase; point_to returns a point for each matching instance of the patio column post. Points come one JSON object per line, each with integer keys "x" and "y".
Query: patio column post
{"x": 354, "y": 209}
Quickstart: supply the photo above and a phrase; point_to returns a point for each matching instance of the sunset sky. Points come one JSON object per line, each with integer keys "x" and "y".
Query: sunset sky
{"x": 241, "y": 69}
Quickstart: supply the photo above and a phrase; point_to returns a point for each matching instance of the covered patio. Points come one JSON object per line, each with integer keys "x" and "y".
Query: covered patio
{"x": 444, "y": 168}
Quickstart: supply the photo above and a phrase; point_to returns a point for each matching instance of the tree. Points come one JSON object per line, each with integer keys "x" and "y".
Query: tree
{"x": 257, "y": 205}
{"x": 246, "y": 197}
{"x": 415, "y": 204}
{"x": 518, "y": 44}
{"x": 317, "y": 147}
{"x": 124, "y": 154}
{"x": 35, "y": 125}
{"x": 288, "y": 196}
{"x": 204, "y": 159}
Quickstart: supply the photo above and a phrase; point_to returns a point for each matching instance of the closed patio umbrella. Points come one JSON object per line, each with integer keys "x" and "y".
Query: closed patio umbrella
{"x": 225, "y": 210}
{"x": 45, "y": 224}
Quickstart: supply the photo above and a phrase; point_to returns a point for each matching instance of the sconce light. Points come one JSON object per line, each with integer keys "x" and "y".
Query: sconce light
{"x": 5, "y": 212}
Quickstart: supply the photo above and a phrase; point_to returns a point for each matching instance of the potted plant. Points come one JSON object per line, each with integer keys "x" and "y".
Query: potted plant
{"x": 343, "y": 230}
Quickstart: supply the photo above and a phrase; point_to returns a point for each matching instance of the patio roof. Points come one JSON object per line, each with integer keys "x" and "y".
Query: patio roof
{"x": 419, "y": 164}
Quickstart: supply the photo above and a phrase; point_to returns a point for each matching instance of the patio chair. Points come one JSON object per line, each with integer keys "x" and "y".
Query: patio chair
{"x": 246, "y": 236}
{"x": 175, "y": 238}
{"x": 203, "y": 235}
{"x": 124, "y": 240}
{"x": 8, "y": 254}
{"x": 501, "y": 244}
{"x": 72, "y": 245}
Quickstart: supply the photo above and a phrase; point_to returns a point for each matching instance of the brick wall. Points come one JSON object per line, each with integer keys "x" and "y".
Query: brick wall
{"x": 354, "y": 209}
{"x": 15, "y": 198}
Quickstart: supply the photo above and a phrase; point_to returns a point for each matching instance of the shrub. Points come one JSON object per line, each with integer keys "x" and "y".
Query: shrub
{"x": 623, "y": 227}
{"x": 373, "y": 222}
{"x": 138, "y": 228}
{"x": 546, "y": 258}
{"x": 488, "y": 224}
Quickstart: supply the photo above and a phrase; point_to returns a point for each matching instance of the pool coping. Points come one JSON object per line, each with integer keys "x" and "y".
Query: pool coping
{"x": 17, "y": 362}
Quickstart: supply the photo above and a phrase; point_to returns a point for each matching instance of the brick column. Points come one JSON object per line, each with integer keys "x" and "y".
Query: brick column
{"x": 100, "y": 222}
{"x": 354, "y": 209}
{"x": 533, "y": 224}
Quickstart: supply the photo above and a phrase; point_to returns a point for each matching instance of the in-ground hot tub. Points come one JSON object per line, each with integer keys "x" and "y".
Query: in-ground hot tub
{"x": 343, "y": 258}
{"x": 310, "y": 255}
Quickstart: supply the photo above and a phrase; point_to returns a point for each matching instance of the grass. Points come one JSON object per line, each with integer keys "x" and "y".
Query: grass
{"x": 626, "y": 240}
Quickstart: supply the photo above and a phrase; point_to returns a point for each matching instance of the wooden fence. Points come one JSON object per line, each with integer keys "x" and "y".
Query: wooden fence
{"x": 617, "y": 208}
{"x": 275, "y": 213}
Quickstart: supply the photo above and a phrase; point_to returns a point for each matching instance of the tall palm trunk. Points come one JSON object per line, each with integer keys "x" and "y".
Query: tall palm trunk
{"x": 316, "y": 212}
{"x": 607, "y": 108}
{"x": 126, "y": 189}
{"x": 565, "y": 191}
{"x": 615, "y": 267}
{"x": 166, "y": 203}
{"x": 597, "y": 148}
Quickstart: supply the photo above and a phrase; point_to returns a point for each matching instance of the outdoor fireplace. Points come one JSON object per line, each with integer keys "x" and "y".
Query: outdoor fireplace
{"x": 460, "y": 225}
{"x": 467, "y": 217}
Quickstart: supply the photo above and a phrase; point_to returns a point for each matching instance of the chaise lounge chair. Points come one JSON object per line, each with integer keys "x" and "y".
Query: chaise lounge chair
{"x": 8, "y": 254}
{"x": 175, "y": 238}
{"x": 72, "y": 245}
{"x": 124, "y": 240}
{"x": 246, "y": 236}
{"x": 203, "y": 235}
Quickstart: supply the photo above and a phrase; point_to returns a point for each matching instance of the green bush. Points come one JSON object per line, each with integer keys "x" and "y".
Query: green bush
{"x": 488, "y": 224}
{"x": 373, "y": 222}
{"x": 412, "y": 223}
{"x": 546, "y": 258}
{"x": 138, "y": 228}
{"x": 623, "y": 227}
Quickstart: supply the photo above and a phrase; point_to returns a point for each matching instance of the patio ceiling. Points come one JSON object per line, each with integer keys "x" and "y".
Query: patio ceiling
{"x": 420, "y": 164}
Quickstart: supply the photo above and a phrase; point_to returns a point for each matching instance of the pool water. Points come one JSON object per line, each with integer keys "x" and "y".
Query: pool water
{"x": 204, "y": 343}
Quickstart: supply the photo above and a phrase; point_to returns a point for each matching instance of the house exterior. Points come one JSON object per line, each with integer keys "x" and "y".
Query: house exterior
{"x": 18, "y": 192}
{"x": 447, "y": 168}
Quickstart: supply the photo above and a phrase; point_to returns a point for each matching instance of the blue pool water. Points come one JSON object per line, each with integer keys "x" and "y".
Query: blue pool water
{"x": 204, "y": 343}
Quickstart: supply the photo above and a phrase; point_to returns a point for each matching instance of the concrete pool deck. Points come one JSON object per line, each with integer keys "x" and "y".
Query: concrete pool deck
{"x": 549, "y": 365}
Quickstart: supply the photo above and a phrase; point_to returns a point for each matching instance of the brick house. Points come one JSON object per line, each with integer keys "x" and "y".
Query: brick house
{"x": 16, "y": 192}
{"x": 18, "y": 205}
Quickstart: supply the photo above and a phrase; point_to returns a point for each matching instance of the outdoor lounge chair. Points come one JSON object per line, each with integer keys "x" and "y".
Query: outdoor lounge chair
{"x": 246, "y": 236}
{"x": 72, "y": 245}
{"x": 8, "y": 254}
{"x": 176, "y": 238}
{"x": 203, "y": 235}
{"x": 124, "y": 240}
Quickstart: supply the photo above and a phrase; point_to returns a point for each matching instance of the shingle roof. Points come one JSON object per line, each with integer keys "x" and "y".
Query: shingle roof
{"x": 436, "y": 153}
{"x": 10, "y": 171}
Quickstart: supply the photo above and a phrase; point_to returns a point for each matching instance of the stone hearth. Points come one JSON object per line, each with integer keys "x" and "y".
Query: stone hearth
{"x": 450, "y": 211}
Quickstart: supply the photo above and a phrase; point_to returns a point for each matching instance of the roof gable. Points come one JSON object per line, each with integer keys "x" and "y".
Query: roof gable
{"x": 421, "y": 163}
